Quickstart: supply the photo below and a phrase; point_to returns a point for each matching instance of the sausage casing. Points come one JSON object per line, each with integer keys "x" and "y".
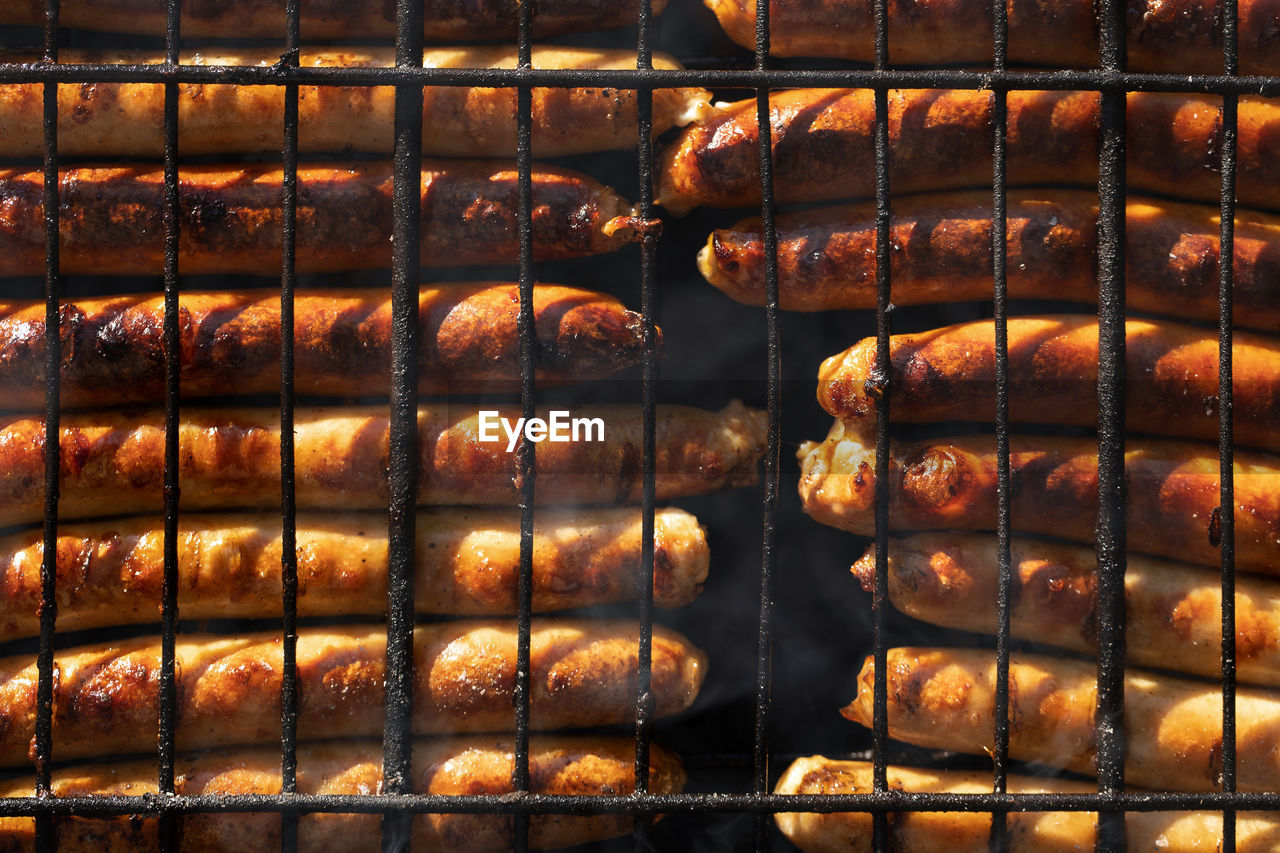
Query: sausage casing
{"x": 824, "y": 146}
{"x": 970, "y": 832}
{"x": 112, "y": 462}
{"x": 1173, "y": 612}
{"x": 468, "y": 563}
{"x": 229, "y": 343}
{"x": 1171, "y": 389}
{"x": 826, "y": 256}
{"x": 945, "y": 699}
{"x": 582, "y": 673}
{"x": 121, "y": 119}
{"x": 230, "y": 219}
{"x": 558, "y": 764}
{"x": 1172, "y": 491}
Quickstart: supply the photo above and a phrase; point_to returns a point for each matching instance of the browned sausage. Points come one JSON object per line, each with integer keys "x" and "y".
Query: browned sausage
{"x": 826, "y": 256}
{"x": 467, "y": 563}
{"x": 1173, "y": 612}
{"x": 1183, "y": 37}
{"x": 229, "y": 343}
{"x": 123, "y": 119}
{"x": 945, "y": 699}
{"x": 558, "y": 764}
{"x": 112, "y": 462}
{"x": 443, "y": 20}
{"x": 582, "y": 673}
{"x": 1172, "y": 386}
{"x": 950, "y": 483}
{"x": 230, "y": 218}
{"x": 824, "y": 146}
{"x": 970, "y": 832}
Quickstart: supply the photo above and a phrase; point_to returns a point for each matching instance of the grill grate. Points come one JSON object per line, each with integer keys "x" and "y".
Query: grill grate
{"x": 398, "y": 804}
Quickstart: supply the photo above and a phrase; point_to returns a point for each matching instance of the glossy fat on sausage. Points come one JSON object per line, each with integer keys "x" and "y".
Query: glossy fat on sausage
{"x": 942, "y": 241}
{"x": 230, "y": 217}
{"x": 467, "y": 563}
{"x": 1171, "y": 371}
{"x": 823, "y": 144}
{"x": 1172, "y": 491}
{"x": 443, "y": 20}
{"x": 124, "y": 119}
{"x": 112, "y": 462}
{"x": 112, "y": 348}
{"x": 970, "y": 832}
{"x": 945, "y": 699}
{"x": 582, "y": 673}
{"x": 1173, "y": 611}
{"x": 1183, "y": 37}
{"x": 558, "y": 764}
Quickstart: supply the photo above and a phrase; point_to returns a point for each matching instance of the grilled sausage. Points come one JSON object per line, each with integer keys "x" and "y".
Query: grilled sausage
{"x": 229, "y": 343}
{"x": 950, "y": 483}
{"x": 1172, "y": 388}
{"x": 230, "y": 217}
{"x": 583, "y": 673}
{"x": 945, "y": 699}
{"x": 1182, "y": 38}
{"x": 824, "y": 146}
{"x": 1173, "y": 612}
{"x": 560, "y": 764}
{"x": 112, "y": 462}
{"x": 826, "y": 256}
{"x": 443, "y": 20}
{"x": 970, "y": 832}
{"x": 467, "y": 562}
{"x": 120, "y": 119}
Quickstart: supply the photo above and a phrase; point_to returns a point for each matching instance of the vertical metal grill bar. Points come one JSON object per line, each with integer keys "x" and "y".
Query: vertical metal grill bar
{"x": 288, "y": 498}
{"x": 397, "y": 734}
{"x": 52, "y": 446}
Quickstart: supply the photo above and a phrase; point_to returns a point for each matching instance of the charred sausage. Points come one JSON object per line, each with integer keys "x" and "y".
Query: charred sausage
{"x": 230, "y": 217}
{"x": 942, "y": 253}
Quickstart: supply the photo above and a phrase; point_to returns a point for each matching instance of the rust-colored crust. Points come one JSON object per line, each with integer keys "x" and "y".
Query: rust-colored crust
{"x": 112, "y": 461}
{"x": 443, "y": 20}
{"x": 230, "y": 217}
{"x": 468, "y": 560}
{"x": 126, "y": 119}
{"x": 1172, "y": 387}
{"x": 942, "y": 253}
{"x": 578, "y": 765}
{"x": 229, "y": 343}
{"x": 228, "y": 689}
{"x": 950, "y": 483}
{"x": 945, "y": 699}
{"x": 1173, "y": 612}
{"x": 823, "y": 146}
{"x": 1182, "y": 37}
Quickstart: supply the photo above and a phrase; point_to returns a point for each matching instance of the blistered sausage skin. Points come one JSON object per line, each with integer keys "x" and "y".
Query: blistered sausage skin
{"x": 123, "y": 119}
{"x": 1183, "y": 37}
{"x": 558, "y": 764}
{"x": 970, "y": 832}
{"x": 826, "y": 256}
{"x": 824, "y": 146}
{"x": 230, "y": 217}
{"x": 467, "y": 563}
{"x": 1171, "y": 389}
{"x": 229, "y": 343}
{"x": 1173, "y": 611}
{"x": 583, "y": 673}
{"x": 950, "y": 483}
{"x": 443, "y": 20}
{"x": 112, "y": 462}
{"x": 945, "y": 699}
